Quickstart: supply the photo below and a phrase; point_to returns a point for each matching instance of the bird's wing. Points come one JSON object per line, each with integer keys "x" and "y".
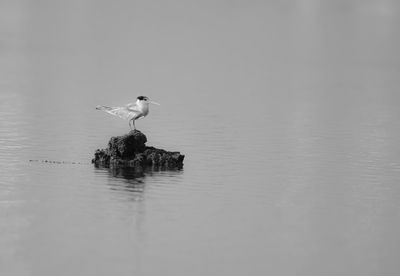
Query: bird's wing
{"x": 126, "y": 112}
{"x": 133, "y": 107}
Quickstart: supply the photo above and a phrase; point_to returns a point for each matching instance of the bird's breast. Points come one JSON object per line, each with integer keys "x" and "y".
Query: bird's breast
{"x": 145, "y": 111}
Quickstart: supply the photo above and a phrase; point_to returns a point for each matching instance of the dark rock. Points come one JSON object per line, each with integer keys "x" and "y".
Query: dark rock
{"x": 130, "y": 150}
{"x": 127, "y": 145}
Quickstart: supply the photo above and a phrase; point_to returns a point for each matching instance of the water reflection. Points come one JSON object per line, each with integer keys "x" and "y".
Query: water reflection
{"x": 134, "y": 174}
{"x": 137, "y": 174}
{"x": 134, "y": 180}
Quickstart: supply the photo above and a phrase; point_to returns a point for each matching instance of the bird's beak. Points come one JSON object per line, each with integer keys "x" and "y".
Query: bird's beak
{"x": 154, "y": 102}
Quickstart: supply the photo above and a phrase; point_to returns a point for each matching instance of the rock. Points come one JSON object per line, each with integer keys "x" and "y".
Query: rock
{"x": 130, "y": 150}
{"x": 127, "y": 145}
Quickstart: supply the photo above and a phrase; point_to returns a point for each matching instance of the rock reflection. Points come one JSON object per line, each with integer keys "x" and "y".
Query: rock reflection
{"x": 127, "y": 173}
{"x": 134, "y": 180}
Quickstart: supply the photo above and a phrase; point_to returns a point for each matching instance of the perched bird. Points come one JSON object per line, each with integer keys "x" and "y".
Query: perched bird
{"x": 131, "y": 111}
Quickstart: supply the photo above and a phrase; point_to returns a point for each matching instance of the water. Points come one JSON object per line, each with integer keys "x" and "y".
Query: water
{"x": 287, "y": 112}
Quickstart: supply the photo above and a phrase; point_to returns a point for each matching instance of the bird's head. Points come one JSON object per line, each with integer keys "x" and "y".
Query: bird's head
{"x": 144, "y": 100}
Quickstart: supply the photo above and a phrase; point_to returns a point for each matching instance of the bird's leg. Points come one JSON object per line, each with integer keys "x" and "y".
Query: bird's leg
{"x": 130, "y": 124}
{"x": 134, "y": 127}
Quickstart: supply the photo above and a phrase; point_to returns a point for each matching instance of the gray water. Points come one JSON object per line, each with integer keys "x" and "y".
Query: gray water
{"x": 287, "y": 112}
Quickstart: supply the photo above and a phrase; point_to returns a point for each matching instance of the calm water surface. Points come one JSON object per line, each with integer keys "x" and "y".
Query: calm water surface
{"x": 287, "y": 112}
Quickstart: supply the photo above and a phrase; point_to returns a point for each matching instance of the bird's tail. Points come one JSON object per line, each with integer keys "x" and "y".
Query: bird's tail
{"x": 103, "y": 107}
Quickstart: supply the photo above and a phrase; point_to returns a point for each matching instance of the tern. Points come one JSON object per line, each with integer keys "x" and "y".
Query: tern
{"x": 132, "y": 111}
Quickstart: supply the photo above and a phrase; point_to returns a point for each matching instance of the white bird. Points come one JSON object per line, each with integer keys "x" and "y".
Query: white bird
{"x": 131, "y": 111}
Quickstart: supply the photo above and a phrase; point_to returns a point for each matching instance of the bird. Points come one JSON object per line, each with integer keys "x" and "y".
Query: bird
{"x": 132, "y": 111}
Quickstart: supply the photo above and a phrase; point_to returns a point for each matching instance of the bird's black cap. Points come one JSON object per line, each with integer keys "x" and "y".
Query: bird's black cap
{"x": 141, "y": 98}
